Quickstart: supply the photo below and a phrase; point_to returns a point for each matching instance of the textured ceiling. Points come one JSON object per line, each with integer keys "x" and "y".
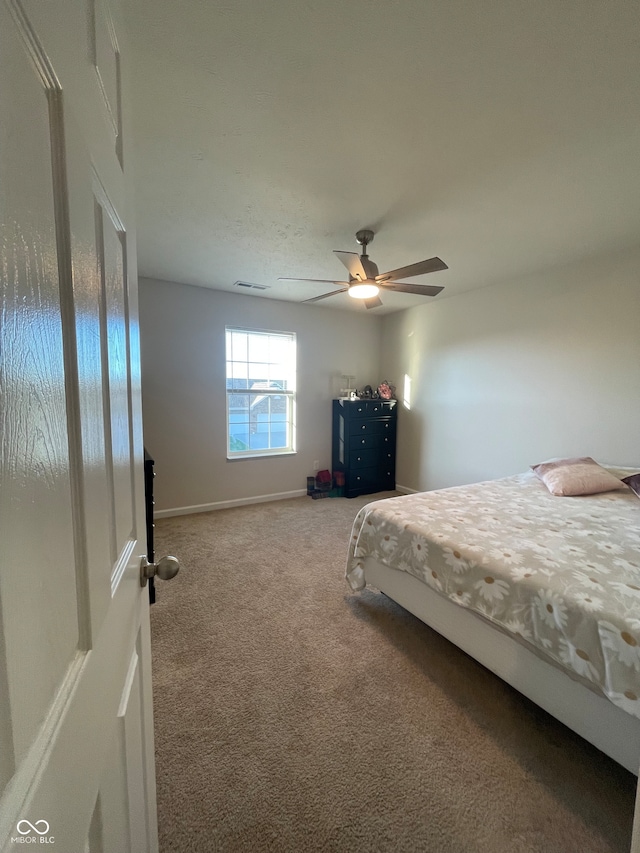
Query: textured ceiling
{"x": 502, "y": 136}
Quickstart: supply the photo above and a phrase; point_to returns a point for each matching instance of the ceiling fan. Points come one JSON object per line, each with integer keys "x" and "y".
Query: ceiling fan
{"x": 365, "y": 282}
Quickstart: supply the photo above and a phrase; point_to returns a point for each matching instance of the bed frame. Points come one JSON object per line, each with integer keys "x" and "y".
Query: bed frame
{"x": 593, "y": 717}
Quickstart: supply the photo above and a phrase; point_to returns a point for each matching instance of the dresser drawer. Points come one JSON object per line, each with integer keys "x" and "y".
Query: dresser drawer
{"x": 376, "y": 479}
{"x": 387, "y": 457}
{"x": 369, "y": 408}
{"x": 380, "y": 407}
{"x": 357, "y": 409}
{"x": 387, "y": 480}
{"x": 366, "y": 441}
{"x": 371, "y": 426}
{"x": 362, "y": 478}
{"x": 365, "y": 458}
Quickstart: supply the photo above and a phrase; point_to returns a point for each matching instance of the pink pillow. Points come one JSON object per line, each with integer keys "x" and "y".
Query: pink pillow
{"x": 579, "y": 476}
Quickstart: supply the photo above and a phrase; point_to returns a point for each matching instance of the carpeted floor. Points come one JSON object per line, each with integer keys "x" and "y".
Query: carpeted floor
{"x": 293, "y": 716}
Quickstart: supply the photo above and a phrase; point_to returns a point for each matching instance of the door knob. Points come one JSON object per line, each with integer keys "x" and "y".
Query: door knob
{"x": 165, "y": 569}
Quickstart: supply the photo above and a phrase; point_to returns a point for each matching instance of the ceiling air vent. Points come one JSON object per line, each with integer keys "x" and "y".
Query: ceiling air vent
{"x": 247, "y": 285}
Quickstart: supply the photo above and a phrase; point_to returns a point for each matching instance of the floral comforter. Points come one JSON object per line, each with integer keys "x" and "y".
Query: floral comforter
{"x": 561, "y": 573}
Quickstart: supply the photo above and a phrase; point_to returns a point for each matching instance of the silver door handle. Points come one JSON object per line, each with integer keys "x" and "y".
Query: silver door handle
{"x": 165, "y": 569}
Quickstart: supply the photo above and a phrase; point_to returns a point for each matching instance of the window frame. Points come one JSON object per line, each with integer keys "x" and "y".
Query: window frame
{"x": 266, "y": 392}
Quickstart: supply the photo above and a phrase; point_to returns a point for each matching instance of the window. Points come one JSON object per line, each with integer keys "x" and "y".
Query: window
{"x": 261, "y": 392}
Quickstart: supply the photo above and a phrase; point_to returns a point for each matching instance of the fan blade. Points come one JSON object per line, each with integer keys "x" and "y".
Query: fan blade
{"x": 352, "y": 262}
{"x": 422, "y": 267}
{"x": 317, "y": 280}
{"x": 324, "y": 295}
{"x": 374, "y": 302}
{"x": 405, "y": 287}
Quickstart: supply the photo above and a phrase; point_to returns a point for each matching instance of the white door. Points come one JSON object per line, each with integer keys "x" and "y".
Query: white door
{"x": 76, "y": 731}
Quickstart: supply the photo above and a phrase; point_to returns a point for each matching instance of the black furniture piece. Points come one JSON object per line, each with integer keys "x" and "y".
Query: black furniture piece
{"x": 149, "y": 474}
{"x": 364, "y": 445}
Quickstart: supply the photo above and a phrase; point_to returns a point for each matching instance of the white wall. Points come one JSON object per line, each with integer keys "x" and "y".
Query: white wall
{"x": 510, "y": 375}
{"x": 183, "y": 385}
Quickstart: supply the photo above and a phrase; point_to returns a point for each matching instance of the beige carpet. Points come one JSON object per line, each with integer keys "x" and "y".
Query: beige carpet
{"x": 293, "y": 716}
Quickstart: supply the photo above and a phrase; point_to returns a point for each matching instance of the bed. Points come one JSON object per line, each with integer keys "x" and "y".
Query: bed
{"x": 542, "y": 590}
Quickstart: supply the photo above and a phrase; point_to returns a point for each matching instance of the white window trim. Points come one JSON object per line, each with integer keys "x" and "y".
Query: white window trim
{"x": 290, "y": 449}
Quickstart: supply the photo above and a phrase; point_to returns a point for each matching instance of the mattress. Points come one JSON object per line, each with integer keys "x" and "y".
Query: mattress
{"x": 560, "y": 574}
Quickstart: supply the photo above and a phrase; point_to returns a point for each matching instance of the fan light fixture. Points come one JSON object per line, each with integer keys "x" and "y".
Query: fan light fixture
{"x": 364, "y": 290}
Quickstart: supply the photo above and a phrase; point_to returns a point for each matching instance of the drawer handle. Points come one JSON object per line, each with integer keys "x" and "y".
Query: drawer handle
{"x": 364, "y": 441}
{"x": 359, "y": 459}
{"x": 364, "y": 426}
{"x": 357, "y": 478}
{"x": 359, "y": 410}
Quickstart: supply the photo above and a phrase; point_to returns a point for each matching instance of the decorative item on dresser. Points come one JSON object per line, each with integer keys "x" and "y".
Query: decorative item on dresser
{"x": 364, "y": 445}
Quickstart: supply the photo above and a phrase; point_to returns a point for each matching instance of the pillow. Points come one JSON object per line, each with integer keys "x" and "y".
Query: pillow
{"x": 579, "y": 476}
{"x": 633, "y": 482}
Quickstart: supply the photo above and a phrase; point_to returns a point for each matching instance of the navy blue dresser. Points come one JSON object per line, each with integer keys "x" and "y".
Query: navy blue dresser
{"x": 364, "y": 445}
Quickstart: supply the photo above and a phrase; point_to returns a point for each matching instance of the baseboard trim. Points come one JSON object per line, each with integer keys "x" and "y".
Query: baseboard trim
{"x": 257, "y": 499}
{"x": 405, "y": 490}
